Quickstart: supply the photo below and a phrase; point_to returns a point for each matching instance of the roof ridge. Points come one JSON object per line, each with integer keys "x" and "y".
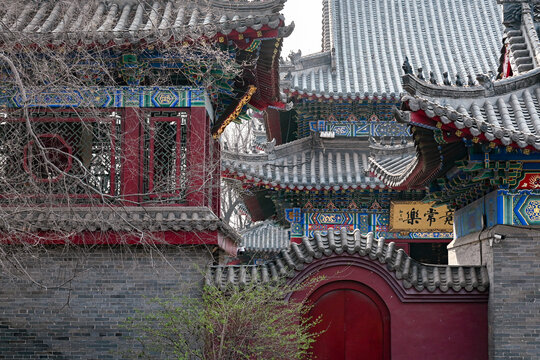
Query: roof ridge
{"x": 417, "y": 85}
{"x": 408, "y": 271}
{"x": 159, "y": 218}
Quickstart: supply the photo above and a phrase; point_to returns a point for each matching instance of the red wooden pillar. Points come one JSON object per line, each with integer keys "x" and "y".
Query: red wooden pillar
{"x": 198, "y": 133}
{"x": 216, "y": 180}
{"x": 273, "y": 125}
{"x": 131, "y": 156}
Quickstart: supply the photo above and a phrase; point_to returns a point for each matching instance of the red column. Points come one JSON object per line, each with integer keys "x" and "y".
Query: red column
{"x": 131, "y": 175}
{"x": 216, "y": 180}
{"x": 197, "y": 160}
{"x": 273, "y": 126}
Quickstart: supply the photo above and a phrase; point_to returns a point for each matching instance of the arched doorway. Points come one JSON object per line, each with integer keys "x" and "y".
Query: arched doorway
{"x": 355, "y": 321}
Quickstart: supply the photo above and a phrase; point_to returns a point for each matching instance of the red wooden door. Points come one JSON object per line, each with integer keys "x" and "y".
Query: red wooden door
{"x": 355, "y": 320}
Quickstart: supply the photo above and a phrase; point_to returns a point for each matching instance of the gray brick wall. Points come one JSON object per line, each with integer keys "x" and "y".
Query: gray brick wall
{"x": 514, "y": 298}
{"x": 84, "y": 297}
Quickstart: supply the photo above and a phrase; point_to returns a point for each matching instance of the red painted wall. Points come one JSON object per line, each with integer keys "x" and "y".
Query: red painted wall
{"x": 419, "y": 330}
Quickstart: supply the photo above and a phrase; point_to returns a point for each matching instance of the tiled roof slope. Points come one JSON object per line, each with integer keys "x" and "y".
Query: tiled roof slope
{"x": 131, "y": 20}
{"x": 505, "y": 111}
{"x": 522, "y": 25}
{"x": 265, "y": 237}
{"x": 393, "y": 170}
{"x": 308, "y": 163}
{"x": 371, "y": 38}
{"x": 391, "y": 162}
{"x": 411, "y": 273}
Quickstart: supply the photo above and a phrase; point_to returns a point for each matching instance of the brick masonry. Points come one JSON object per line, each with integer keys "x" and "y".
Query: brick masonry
{"x": 84, "y": 297}
{"x": 513, "y": 264}
{"x": 514, "y": 298}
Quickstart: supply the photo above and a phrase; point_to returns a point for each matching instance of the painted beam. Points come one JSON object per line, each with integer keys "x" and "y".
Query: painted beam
{"x": 107, "y": 97}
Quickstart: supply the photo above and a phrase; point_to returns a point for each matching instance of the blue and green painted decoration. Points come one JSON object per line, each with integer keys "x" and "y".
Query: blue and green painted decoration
{"x": 504, "y": 207}
{"x": 305, "y": 223}
{"x": 108, "y": 97}
{"x": 361, "y": 128}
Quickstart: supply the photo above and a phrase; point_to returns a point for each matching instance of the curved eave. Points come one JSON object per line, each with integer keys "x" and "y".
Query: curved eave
{"x": 391, "y": 178}
{"x": 427, "y": 113}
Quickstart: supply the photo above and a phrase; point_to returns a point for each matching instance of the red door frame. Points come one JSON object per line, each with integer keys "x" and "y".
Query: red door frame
{"x": 371, "y": 294}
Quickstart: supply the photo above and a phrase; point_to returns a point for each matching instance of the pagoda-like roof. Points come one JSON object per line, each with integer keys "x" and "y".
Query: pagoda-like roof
{"x": 506, "y": 111}
{"x": 265, "y": 237}
{"x": 503, "y": 112}
{"x": 366, "y": 41}
{"x": 311, "y": 163}
{"x": 129, "y": 21}
{"x": 410, "y": 273}
{"x": 500, "y": 113}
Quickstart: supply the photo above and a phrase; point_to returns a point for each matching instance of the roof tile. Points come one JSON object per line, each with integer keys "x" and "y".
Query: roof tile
{"x": 412, "y": 274}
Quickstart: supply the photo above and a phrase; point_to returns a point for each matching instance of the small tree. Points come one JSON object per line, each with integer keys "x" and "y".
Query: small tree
{"x": 253, "y": 322}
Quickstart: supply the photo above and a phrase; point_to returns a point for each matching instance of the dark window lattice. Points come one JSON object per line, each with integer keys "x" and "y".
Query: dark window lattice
{"x": 165, "y": 160}
{"x": 90, "y": 146}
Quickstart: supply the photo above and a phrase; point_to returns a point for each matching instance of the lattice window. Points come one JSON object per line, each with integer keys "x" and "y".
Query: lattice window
{"x": 165, "y": 160}
{"x": 65, "y": 157}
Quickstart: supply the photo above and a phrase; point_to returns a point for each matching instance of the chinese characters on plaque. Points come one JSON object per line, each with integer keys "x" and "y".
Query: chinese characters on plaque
{"x": 418, "y": 216}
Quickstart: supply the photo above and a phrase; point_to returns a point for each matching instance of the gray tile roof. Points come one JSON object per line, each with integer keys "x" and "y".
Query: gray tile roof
{"x": 78, "y": 219}
{"x": 371, "y": 38}
{"x": 507, "y": 110}
{"x": 409, "y": 272}
{"x": 390, "y": 162}
{"x": 393, "y": 171}
{"x": 265, "y": 237}
{"x": 522, "y": 21}
{"x": 131, "y": 20}
{"x": 305, "y": 164}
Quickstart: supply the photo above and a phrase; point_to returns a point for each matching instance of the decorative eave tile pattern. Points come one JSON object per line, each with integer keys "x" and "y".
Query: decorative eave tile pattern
{"x": 265, "y": 237}
{"x": 307, "y": 164}
{"x": 117, "y": 219}
{"x": 130, "y": 21}
{"x": 371, "y": 38}
{"x": 505, "y": 111}
{"x": 412, "y": 274}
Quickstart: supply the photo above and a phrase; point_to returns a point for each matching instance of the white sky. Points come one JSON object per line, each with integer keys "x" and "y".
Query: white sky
{"x": 307, "y": 16}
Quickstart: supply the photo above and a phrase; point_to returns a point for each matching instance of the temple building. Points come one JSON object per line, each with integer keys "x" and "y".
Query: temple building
{"x": 332, "y": 177}
{"x": 478, "y": 151}
{"x": 109, "y": 158}
{"x": 321, "y": 165}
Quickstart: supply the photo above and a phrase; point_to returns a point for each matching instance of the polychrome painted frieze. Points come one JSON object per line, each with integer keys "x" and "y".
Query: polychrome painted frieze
{"x": 107, "y": 97}
{"x": 504, "y": 207}
{"x": 361, "y": 128}
{"x": 305, "y": 223}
